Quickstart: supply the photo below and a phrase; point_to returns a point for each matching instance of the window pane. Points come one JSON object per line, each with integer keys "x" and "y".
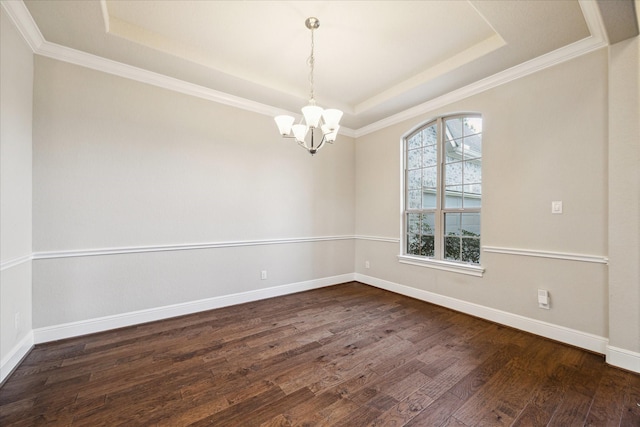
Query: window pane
{"x": 452, "y": 248}
{"x": 429, "y": 156}
{"x": 470, "y": 224}
{"x": 428, "y": 224}
{"x": 472, "y": 147}
{"x": 471, "y": 250}
{"x": 413, "y": 244}
{"x": 415, "y": 140}
{"x": 452, "y": 224}
{"x": 413, "y": 159}
{"x": 421, "y": 223}
{"x": 473, "y": 189}
{"x": 429, "y": 177}
{"x": 429, "y": 198}
{"x": 453, "y": 196}
{"x": 453, "y": 174}
{"x": 472, "y": 125}
{"x": 413, "y": 223}
{"x": 472, "y": 196}
{"x": 414, "y": 199}
{"x": 414, "y": 178}
{"x": 428, "y": 246}
{"x": 472, "y": 172}
{"x": 453, "y": 128}
{"x": 453, "y": 151}
{"x": 430, "y": 135}
{"x": 420, "y": 234}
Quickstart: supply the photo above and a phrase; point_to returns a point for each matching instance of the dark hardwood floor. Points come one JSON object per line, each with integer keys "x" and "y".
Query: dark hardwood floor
{"x": 347, "y": 355}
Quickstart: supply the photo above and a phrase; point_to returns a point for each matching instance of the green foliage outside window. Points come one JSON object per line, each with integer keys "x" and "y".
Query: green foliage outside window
{"x": 464, "y": 248}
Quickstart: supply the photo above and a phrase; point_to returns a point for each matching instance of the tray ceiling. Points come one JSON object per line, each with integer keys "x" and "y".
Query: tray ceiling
{"x": 374, "y": 59}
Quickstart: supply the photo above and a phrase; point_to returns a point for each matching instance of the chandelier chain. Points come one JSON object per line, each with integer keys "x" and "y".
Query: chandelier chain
{"x": 312, "y": 66}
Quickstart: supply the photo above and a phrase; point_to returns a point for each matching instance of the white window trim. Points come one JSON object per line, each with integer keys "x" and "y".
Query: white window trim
{"x": 476, "y": 270}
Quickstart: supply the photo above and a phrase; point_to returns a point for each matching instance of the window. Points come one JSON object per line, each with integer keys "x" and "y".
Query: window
{"x": 442, "y": 189}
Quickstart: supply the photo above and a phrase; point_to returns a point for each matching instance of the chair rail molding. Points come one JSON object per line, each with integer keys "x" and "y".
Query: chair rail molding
{"x": 598, "y": 259}
{"x": 183, "y": 247}
{"x": 12, "y": 262}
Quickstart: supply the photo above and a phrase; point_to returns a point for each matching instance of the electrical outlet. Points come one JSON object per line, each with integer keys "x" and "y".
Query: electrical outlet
{"x": 366, "y": 264}
{"x": 543, "y": 299}
{"x": 263, "y": 275}
{"x": 16, "y": 321}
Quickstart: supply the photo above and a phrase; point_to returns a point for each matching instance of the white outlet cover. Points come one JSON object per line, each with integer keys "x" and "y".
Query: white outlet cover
{"x": 556, "y": 207}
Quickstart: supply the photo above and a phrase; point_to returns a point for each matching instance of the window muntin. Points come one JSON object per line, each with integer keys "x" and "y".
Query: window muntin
{"x": 443, "y": 190}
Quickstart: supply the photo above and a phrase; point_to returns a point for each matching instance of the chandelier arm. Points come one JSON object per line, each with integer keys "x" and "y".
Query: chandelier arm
{"x": 312, "y": 134}
{"x": 313, "y": 148}
{"x": 321, "y": 143}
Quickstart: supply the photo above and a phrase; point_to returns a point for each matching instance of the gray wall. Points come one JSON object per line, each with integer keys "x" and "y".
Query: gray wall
{"x": 16, "y": 83}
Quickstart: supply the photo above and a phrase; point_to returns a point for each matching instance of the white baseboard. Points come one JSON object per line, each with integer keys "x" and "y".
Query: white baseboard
{"x": 618, "y": 357}
{"x": 15, "y": 356}
{"x": 625, "y": 359}
{"x": 101, "y": 324}
{"x": 548, "y": 330}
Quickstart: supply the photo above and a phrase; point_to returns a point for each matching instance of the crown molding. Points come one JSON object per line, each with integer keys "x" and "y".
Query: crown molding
{"x": 27, "y": 27}
{"x": 594, "y": 20}
{"x": 23, "y": 21}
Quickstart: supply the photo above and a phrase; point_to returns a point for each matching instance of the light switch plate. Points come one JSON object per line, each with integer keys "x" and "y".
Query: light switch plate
{"x": 556, "y": 207}
{"x": 543, "y": 299}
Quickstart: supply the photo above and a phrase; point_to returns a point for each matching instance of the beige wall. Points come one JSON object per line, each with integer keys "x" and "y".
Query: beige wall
{"x": 122, "y": 164}
{"x": 624, "y": 195}
{"x": 545, "y": 139}
{"x": 16, "y": 83}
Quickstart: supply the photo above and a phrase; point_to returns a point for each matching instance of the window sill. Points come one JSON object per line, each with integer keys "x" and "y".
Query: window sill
{"x": 454, "y": 267}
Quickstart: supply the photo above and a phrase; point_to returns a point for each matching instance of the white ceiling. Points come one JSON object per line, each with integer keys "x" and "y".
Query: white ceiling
{"x": 374, "y": 59}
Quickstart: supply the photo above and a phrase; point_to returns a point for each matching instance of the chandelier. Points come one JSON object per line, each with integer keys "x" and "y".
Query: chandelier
{"x": 314, "y": 118}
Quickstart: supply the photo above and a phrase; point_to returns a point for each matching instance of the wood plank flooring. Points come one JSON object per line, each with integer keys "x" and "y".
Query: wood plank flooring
{"x": 346, "y": 355}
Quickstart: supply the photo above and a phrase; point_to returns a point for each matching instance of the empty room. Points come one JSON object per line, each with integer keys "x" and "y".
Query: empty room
{"x": 320, "y": 213}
